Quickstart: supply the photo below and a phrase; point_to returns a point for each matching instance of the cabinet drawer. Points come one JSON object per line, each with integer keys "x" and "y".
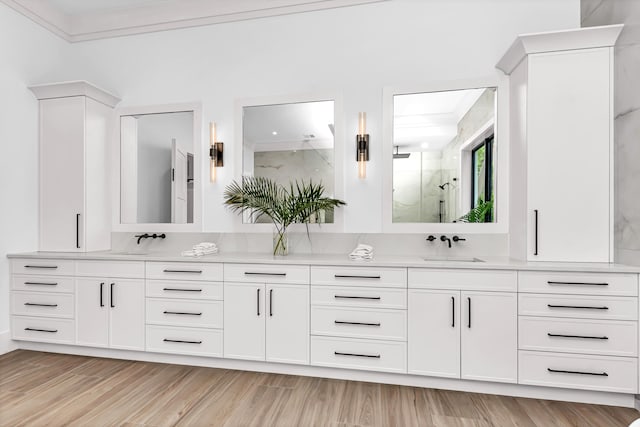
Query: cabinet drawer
{"x": 198, "y": 342}
{"x": 370, "y": 355}
{"x": 481, "y": 280}
{"x": 602, "y": 373}
{"x": 185, "y": 313}
{"x": 266, "y": 273}
{"x": 49, "y": 267}
{"x": 578, "y": 283}
{"x": 359, "y": 276}
{"x": 606, "y": 337}
{"x": 188, "y": 290}
{"x": 116, "y": 269}
{"x": 359, "y": 323}
{"x": 342, "y": 296}
{"x": 578, "y": 306}
{"x": 43, "y": 329}
{"x": 42, "y": 304}
{"x": 184, "y": 271}
{"x": 43, "y": 283}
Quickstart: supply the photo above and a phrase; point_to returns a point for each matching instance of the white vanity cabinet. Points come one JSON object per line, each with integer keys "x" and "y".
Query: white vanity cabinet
{"x": 110, "y": 304}
{"x": 561, "y": 88}
{"x": 463, "y": 324}
{"x": 266, "y": 314}
{"x": 75, "y": 123}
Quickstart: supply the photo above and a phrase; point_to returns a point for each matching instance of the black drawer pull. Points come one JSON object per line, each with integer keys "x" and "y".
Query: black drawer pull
{"x": 41, "y": 283}
{"x": 599, "y": 374}
{"x": 586, "y": 337}
{"x": 577, "y": 283}
{"x": 340, "y": 322}
{"x": 373, "y": 356}
{"x": 52, "y": 331}
{"x": 257, "y": 273}
{"x": 582, "y": 307}
{"x": 182, "y": 341}
{"x": 53, "y": 267}
{"x": 40, "y": 305}
{"x": 185, "y": 313}
{"x": 182, "y": 290}
{"x": 183, "y": 271}
{"x": 354, "y": 297}
{"x": 349, "y": 276}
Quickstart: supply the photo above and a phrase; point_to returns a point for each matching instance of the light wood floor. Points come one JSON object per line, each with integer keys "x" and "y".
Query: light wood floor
{"x": 50, "y": 389}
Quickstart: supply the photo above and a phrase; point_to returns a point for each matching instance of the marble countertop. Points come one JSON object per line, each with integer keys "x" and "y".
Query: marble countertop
{"x": 488, "y": 263}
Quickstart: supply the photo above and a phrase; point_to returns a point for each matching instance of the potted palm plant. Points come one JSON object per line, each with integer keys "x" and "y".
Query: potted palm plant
{"x": 260, "y": 196}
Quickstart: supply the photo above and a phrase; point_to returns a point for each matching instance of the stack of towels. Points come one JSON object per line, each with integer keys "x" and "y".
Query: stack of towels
{"x": 204, "y": 248}
{"x": 361, "y": 252}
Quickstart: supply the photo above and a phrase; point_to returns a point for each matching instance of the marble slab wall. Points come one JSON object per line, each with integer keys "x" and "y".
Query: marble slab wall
{"x": 627, "y": 119}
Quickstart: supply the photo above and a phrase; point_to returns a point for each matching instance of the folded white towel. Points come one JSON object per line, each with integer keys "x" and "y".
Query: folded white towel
{"x": 204, "y": 248}
{"x": 361, "y": 252}
{"x": 204, "y": 245}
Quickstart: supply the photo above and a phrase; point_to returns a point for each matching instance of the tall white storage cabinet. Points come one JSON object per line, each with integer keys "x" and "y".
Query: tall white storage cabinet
{"x": 561, "y": 89}
{"x": 75, "y": 123}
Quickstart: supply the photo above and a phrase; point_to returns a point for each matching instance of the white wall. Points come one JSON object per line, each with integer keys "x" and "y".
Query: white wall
{"x": 28, "y": 54}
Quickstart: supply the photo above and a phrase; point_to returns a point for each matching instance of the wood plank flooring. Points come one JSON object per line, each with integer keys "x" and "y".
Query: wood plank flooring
{"x": 45, "y": 389}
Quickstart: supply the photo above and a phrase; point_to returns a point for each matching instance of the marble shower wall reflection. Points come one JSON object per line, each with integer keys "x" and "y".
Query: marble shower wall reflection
{"x": 627, "y": 119}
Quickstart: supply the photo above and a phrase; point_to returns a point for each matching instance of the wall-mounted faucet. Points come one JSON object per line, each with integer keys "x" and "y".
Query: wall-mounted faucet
{"x": 458, "y": 239}
{"x": 431, "y": 238}
{"x": 444, "y": 238}
{"x": 150, "y": 236}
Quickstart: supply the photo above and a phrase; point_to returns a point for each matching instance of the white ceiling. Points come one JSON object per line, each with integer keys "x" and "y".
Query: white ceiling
{"x": 80, "y": 20}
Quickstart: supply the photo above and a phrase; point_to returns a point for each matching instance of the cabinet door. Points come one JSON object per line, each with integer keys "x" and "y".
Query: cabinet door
{"x": 569, "y": 145}
{"x": 244, "y": 328}
{"x": 62, "y": 174}
{"x": 92, "y": 311}
{"x": 126, "y": 308}
{"x": 489, "y": 336}
{"x": 434, "y": 333}
{"x": 287, "y": 323}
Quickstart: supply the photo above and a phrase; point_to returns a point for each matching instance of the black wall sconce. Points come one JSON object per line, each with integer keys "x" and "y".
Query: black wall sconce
{"x": 362, "y": 146}
{"x": 216, "y": 152}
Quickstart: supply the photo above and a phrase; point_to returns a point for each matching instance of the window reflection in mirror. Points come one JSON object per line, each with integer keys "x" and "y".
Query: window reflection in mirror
{"x": 289, "y": 143}
{"x": 156, "y": 167}
{"x": 444, "y": 156}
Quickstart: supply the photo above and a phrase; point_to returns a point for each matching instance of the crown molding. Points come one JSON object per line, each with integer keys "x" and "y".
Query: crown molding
{"x": 74, "y": 88}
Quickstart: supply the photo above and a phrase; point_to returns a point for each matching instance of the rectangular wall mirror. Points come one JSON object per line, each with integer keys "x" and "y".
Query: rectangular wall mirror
{"x": 445, "y": 156}
{"x": 289, "y": 142}
{"x": 159, "y": 155}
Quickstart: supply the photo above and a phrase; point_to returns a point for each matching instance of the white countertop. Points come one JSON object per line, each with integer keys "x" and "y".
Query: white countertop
{"x": 489, "y": 263}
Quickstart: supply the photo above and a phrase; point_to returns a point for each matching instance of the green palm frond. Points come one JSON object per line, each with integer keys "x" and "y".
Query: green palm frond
{"x": 479, "y": 213}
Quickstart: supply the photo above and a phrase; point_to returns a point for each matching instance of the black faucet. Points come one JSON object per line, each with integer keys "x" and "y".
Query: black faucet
{"x": 431, "y": 238}
{"x": 458, "y": 239}
{"x": 444, "y": 238}
{"x": 150, "y": 236}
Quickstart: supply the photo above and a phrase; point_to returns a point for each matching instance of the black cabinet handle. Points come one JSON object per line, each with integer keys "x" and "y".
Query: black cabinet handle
{"x": 582, "y": 307}
{"x": 41, "y": 283}
{"x": 350, "y": 276}
{"x": 182, "y": 271}
{"x": 52, "y": 331}
{"x": 585, "y": 337}
{"x": 270, "y": 302}
{"x": 577, "y": 283}
{"x": 257, "y": 273}
{"x": 182, "y": 290}
{"x": 102, "y": 294}
{"x": 340, "y": 322}
{"x": 33, "y": 304}
{"x": 258, "y": 302}
{"x": 78, "y": 231}
{"x": 111, "y": 296}
{"x": 355, "y": 297}
{"x": 453, "y": 312}
{"x": 535, "y": 218}
{"x": 339, "y": 353}
{"x": 185, "y": 313}
{"x": 53, "y": 267}
{"x": 182, "y": 341}
{"x": 561, "y": 371}
{"x": 469, "y": 320}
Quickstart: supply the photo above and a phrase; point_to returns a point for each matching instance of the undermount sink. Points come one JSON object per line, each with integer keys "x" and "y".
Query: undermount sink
{"x": 454, "y": 259}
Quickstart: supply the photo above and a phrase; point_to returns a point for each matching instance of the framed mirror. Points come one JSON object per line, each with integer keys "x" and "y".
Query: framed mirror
{"x": 444, "y": 155}
{"x": 159, "y": 168}
{"x": 289, "y": 139}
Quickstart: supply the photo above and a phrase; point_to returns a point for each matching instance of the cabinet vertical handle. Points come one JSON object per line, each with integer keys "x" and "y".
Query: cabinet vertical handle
{"x": 111, "y": 296}
{"x": 453, "y": 312}
{"x": 101, "y": 294}
{"x": 77, "y": 231}
{"x": 469, "y": 319}
{"x": 270, "y": 302}
{"x": 258, "y": 301}
{"x": 535, "y": 231}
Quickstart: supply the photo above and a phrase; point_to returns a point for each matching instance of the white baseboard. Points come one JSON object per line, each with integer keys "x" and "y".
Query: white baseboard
{"x": 516, "y": 390}
{"x": 6, "y": 343}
